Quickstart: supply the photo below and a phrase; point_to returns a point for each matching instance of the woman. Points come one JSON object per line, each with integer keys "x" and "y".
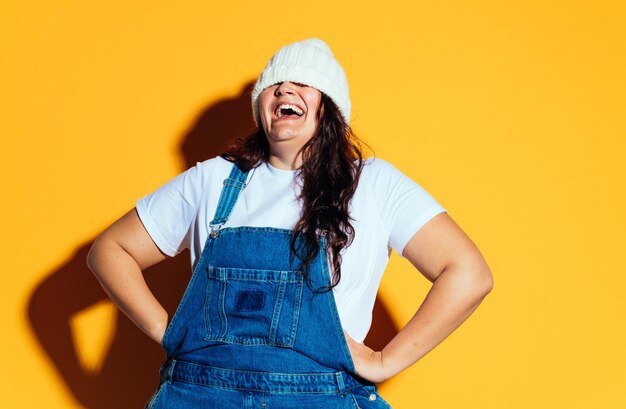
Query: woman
{"x": 289, "y": 232}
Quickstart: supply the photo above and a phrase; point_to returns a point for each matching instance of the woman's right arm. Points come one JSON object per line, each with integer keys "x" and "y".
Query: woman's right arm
{"x": 117, "y": 258}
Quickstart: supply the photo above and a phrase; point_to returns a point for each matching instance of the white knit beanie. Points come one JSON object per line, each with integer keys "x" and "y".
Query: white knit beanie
{"x": 308, "y": 62}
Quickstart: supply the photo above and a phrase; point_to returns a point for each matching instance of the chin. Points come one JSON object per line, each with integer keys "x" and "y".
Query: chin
{"x": 286, "y": 134}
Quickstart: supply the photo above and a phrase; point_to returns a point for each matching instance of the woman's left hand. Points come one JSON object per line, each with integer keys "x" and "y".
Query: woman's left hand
{"x": 368, "y": 363}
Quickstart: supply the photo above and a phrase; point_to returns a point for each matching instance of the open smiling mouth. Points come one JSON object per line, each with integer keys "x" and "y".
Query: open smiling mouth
{"x": 288, "y": 110}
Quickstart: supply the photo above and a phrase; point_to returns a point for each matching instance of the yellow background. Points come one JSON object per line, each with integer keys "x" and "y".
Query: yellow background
{"x": 511, "y": 114}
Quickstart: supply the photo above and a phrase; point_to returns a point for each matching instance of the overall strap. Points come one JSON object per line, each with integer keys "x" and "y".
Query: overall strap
{"x": 233, "y": 185}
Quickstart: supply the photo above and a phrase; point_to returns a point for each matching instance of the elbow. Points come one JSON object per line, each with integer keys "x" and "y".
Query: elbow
{"x": 471, "y": 282}
{"x": 94, "y": 254}
{"x": 480, "y": 277}
{"x": 487, "y": 285}
{"x": 483, "y": 282}
{"x": 474, "y": 280}
{"x": 91, "y": 256}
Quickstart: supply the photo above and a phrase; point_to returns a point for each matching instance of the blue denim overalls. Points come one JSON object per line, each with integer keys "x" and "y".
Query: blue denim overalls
{"x": 250, "y": 332}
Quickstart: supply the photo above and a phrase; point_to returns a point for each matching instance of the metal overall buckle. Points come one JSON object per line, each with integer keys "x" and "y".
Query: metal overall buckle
{"x": 215, "y": 229}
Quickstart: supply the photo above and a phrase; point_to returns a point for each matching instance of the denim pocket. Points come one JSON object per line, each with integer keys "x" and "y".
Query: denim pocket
{"x": 252, "y": 307}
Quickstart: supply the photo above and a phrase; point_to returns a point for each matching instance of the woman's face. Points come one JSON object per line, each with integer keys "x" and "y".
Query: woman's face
{"x": 288, "y": 112}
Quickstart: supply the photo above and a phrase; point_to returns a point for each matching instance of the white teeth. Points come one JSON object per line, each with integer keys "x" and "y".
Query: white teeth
{"x": 294, "y": 108}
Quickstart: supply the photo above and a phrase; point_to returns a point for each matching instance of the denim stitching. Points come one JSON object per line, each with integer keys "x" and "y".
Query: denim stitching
{"x": 207, "y": 305}
{"x": 354, "y": 402}
{"x": 233, "y": 183}
{"x": 271, "y": 392}
{"x": 296, "y": 312}
{"x": 218, "y": 281}
{"x": 222, "y": 307}
{"x": 232, "y": 186}
{"x": 306, "y": 383}
{"x": 255, "y": 228}
{"x": 254, "y": 274}
{"x": 278, "y": 306}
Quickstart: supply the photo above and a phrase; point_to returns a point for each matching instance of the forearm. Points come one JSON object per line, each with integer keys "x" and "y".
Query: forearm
{"x": 123, "y": 281}
{"x": 454, "y": 295}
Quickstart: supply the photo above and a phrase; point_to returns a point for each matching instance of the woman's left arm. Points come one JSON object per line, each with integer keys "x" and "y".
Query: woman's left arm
{"x": 447, "y": 257}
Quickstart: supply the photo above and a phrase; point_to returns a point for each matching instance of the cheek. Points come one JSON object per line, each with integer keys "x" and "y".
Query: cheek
{"x": 263, "y": 103}
{"x": 313, "y": 102}
{"x": 263, "y": 108}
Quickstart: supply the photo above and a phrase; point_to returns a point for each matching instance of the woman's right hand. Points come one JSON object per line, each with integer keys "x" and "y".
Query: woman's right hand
{"x": 117, "y": 258}
{"x": 368, "y": 363}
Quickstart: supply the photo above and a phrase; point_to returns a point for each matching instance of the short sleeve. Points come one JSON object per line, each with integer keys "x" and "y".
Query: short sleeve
{"x": 168, "y": 212}
{"x": 406, "y": 206}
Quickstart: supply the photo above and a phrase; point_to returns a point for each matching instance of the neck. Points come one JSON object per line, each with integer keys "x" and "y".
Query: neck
{"x": 284, "y": 161}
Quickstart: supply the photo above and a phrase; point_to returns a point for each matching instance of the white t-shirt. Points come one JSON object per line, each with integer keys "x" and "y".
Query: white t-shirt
{"x": 388, "y": 208}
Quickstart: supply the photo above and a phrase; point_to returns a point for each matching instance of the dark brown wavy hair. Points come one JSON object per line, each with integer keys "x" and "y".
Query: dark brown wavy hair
{"x": 332, "y": 161}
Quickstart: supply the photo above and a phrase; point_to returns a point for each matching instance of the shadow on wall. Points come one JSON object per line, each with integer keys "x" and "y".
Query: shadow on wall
{"x": 129, "y": 374}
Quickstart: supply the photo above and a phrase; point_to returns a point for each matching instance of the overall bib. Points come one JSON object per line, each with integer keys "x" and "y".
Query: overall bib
{"x": 252, "y": 332}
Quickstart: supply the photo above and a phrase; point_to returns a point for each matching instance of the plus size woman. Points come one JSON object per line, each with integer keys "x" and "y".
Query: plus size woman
{"x": 290, "y": 231}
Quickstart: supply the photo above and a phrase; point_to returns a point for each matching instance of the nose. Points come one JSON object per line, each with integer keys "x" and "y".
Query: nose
{"x": 284, "y": 88}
